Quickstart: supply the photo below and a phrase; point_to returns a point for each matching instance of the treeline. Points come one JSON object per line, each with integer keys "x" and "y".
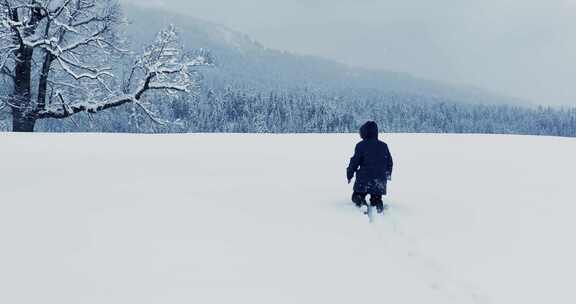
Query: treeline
{"x": 307, "y": 112}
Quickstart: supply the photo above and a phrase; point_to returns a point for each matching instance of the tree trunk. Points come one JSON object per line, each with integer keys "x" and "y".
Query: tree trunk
{"x": 21, "y": 122}
{"x": 43, "y": 82}
{"x": 21, "y": 104}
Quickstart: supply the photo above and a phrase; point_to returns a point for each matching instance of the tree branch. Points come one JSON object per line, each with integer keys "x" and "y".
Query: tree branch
{"x": 68, "y": 110}
{"x": 8, "y": 73}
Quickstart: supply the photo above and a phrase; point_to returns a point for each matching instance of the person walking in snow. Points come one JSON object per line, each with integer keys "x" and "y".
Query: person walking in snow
{"x": 372, "y": 164}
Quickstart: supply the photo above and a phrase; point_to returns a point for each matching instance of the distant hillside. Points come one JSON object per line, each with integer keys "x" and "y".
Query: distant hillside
{"x": 246, "y": 64}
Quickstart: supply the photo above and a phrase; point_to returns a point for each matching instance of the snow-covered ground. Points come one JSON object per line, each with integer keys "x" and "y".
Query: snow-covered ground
{"x": 267, "y": 219}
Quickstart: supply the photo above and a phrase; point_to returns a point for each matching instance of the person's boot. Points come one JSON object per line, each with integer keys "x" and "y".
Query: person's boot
{"x": 359, "y": 200}
{"x": 378, "y": 203}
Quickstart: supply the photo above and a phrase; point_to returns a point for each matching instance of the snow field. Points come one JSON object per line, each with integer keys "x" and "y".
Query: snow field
{"x": 232, "y": 218}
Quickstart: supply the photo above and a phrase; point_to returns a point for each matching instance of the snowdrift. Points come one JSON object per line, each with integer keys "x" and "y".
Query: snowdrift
{"x": 230, "y": 218}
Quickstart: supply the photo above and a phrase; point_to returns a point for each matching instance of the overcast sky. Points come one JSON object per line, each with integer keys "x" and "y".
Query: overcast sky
{"x": 522, "y": 48}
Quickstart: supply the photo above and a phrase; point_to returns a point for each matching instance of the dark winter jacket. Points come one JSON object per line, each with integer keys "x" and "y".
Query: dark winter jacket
{"x": 372, "y": 162}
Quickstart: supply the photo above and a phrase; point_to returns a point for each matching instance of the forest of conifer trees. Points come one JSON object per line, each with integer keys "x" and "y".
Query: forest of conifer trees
{"x": 240, "y": 112}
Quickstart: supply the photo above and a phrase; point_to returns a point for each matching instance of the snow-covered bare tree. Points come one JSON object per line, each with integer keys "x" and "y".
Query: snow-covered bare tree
{"x": 59, "y": 57}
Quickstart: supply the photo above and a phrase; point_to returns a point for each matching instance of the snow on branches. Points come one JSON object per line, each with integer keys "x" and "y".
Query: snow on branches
{"x": 65, "y": 54}
{"x": 163, "y": 66}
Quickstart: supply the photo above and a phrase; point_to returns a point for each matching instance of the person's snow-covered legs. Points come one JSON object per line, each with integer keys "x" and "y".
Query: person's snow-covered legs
{"x": 376, "y": 201}
{"x": 359, "y": 199}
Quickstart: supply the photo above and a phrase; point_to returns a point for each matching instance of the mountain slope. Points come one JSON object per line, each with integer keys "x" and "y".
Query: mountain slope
{"x": 235, "y": 218}
{"x": 245, "y": 63}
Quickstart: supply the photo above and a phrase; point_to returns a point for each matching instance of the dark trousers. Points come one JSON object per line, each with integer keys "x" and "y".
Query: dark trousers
{"x": 359, "y": 198}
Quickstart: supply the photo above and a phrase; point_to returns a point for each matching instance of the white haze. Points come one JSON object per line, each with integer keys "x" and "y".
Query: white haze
{"x": 522, "y": 48}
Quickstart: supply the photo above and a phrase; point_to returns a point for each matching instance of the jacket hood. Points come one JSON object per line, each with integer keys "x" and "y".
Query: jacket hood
{"x": 369, "y": 130}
